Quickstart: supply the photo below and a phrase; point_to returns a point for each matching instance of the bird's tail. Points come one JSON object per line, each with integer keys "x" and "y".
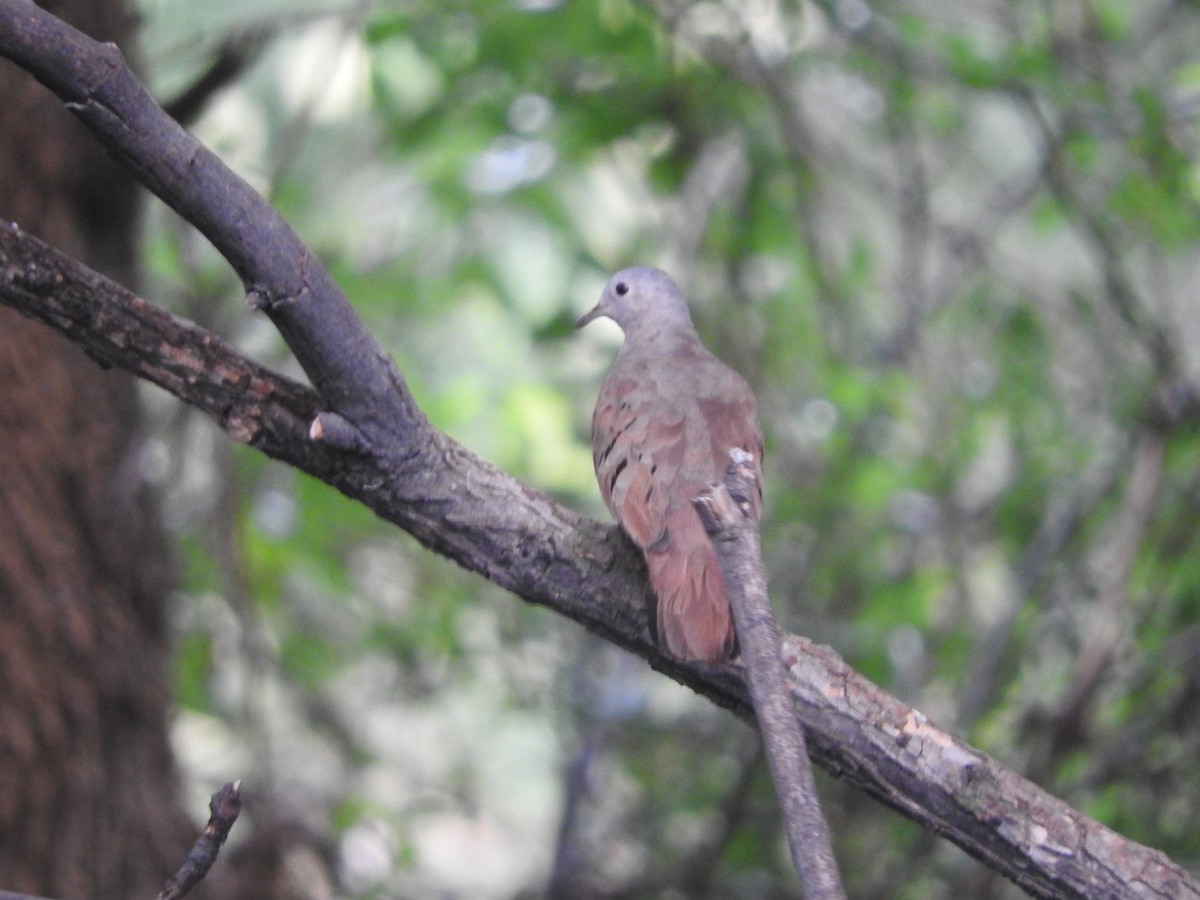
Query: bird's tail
{"x": 694, "y": 619}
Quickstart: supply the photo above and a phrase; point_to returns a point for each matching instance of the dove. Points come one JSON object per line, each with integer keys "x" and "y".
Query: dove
{"x": 666, "y": 417}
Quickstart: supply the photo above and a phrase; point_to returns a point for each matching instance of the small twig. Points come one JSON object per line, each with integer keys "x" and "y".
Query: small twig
{"x": 232, "y": 58}
{"x": 568, "y": 854}
{"x": 225, "y": 806}
{"x": 726, "y": 512}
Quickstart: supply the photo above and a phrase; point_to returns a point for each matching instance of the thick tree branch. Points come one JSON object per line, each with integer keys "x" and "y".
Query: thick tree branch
{"x": 387, "y": 456}
{"x": 455, "y": 504}
{"x": 725, "y": 510}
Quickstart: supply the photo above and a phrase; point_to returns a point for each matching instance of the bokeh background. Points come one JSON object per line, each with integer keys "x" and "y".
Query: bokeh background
{"x": 952, "y": 246}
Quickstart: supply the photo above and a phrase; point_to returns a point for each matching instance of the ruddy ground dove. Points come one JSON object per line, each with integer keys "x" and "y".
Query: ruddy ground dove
{"x": 667, "y": 416}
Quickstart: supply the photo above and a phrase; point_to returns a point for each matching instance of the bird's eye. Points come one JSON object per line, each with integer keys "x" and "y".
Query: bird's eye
{"x": 621, "y": 288}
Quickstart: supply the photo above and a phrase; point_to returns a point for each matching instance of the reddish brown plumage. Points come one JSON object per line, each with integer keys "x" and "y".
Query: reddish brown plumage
{"x": 667, "y": 416}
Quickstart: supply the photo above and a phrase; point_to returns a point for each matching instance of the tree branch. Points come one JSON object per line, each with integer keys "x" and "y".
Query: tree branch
{"x": 234, "y": 55}
{"x": 456, "y": 504}
{"x": 725, "y": 511}
{"x": 350, "y": 370}
{"x": 386, "y": 455}
{"x": 225, "y": 806}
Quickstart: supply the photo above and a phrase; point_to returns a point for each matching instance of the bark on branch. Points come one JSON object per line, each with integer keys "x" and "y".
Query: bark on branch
{"x": 725, "y": 510}
{"x": 384, "y": 453}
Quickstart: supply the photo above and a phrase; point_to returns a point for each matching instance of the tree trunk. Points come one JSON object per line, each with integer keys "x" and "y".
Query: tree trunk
{"x": 87, "y": 784}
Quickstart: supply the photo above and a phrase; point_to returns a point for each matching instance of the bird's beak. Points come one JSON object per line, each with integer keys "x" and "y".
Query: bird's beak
{"x": 594, "y": 313}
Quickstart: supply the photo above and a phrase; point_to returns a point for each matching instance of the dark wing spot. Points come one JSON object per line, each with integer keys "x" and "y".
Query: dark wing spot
{"x": 612, "y": 481}
{"x": 609, "y": 448}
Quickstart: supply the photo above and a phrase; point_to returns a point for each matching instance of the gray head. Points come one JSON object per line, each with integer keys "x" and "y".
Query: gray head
{"x": 641, "y": 300}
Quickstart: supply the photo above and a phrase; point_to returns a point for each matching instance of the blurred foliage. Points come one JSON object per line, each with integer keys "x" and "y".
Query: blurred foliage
{"x": 953, "y": 247}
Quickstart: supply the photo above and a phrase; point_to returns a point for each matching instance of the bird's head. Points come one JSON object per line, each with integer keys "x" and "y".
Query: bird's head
{"x": 639, "y": 298}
